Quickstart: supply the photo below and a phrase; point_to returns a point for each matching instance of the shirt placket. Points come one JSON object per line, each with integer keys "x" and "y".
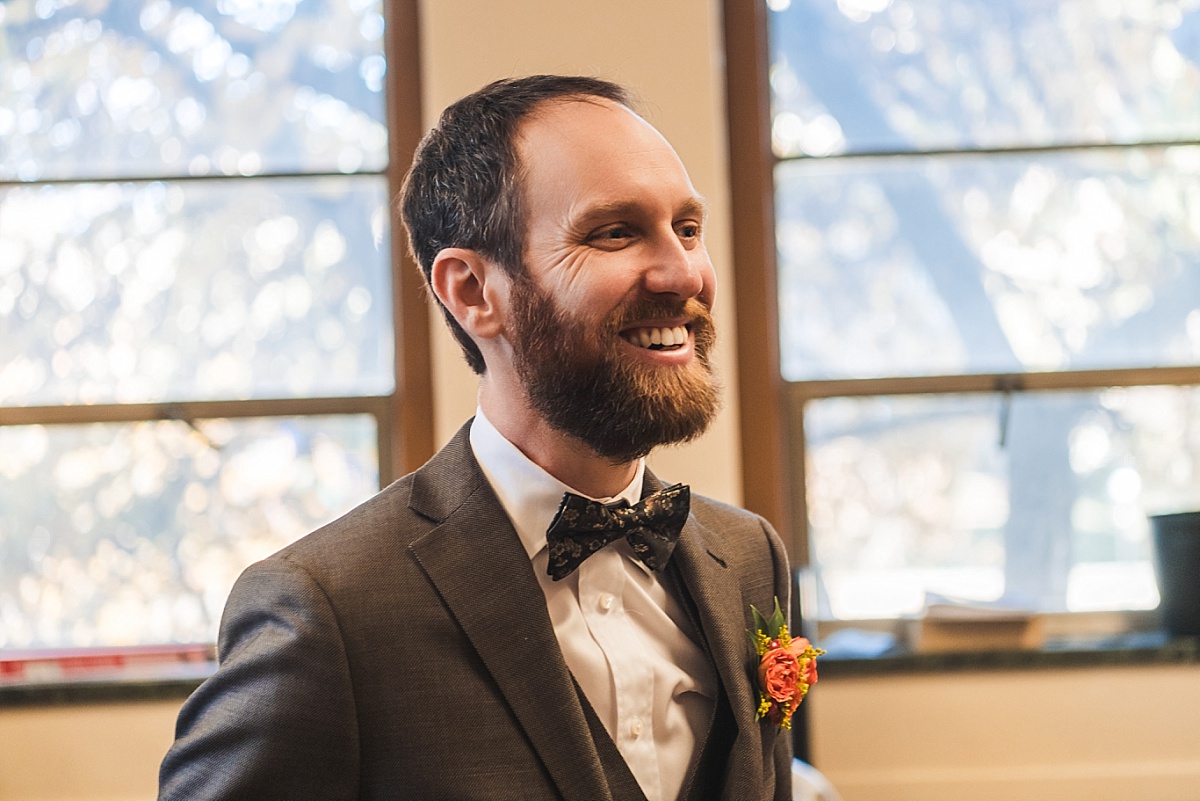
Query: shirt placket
{"x": 601, "y": 592}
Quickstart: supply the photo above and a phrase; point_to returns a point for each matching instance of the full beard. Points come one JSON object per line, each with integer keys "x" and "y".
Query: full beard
{"x": 582, "y": 385}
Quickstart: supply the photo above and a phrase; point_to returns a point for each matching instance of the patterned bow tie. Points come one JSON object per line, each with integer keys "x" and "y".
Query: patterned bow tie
{"x": 581, "y": 527}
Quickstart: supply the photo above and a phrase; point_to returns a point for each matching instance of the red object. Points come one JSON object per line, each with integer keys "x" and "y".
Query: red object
{"x": 57, "y": 664}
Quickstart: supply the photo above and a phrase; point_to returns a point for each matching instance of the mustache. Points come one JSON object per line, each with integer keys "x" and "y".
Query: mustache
{"x": 698, "y": 314}
{"x": 644, "y": 308}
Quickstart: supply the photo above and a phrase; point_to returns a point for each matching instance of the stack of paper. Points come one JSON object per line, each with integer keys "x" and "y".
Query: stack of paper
{"x": 949, "y": 625}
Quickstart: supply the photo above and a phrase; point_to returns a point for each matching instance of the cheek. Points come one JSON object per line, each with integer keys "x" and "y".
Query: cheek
{"x": 564, "y": 275}
{"x": 590, "y": 289}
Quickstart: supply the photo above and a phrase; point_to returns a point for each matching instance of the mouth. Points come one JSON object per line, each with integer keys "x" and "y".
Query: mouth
{"x": 657, "y": 337}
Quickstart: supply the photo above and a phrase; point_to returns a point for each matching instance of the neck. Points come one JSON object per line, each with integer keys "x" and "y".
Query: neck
{"x": 566, "y": 458}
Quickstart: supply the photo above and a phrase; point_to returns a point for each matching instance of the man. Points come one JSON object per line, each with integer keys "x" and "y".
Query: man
{"x": 432, "y": 644}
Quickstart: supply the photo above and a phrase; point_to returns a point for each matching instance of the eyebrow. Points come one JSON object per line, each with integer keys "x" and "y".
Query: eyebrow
{"x": 694, "y": 206}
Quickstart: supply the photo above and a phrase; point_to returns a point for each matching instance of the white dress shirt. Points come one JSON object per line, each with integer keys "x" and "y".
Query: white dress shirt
{"x": 618, "y": 627}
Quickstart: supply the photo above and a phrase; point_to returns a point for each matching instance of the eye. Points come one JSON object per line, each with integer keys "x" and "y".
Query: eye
{"x": 688, "y": 230}
{"x": 612, "y": 237}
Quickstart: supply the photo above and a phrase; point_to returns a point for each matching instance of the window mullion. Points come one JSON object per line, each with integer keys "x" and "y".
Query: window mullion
{"x": 800, "y": 391}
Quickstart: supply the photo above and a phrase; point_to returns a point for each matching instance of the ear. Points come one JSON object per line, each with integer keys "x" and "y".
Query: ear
{"x": 471, "y": 288}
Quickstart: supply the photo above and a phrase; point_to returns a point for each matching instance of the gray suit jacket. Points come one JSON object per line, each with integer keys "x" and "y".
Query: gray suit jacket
{"x": 404, "y": 651}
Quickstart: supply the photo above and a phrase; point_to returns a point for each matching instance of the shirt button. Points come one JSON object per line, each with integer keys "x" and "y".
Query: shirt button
{"x": 606, "y": 602}
{"x": 635, "y": 728}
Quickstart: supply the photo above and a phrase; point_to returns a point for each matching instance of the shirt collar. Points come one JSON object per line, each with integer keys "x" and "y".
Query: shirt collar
{"x": 530, "y": 496}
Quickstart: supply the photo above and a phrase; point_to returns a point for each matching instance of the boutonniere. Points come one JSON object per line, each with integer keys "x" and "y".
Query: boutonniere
{"x": 787, "y": 667}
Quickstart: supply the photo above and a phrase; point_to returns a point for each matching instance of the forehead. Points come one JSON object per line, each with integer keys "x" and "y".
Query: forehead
{"x": 594, "y": 151}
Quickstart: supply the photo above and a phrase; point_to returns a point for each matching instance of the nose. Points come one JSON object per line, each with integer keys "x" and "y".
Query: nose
{"x": 677, "y": 268}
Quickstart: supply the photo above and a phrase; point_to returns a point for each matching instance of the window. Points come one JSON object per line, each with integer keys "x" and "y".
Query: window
{"x": 198, "y": 332}
{"x": 987, "y": 227}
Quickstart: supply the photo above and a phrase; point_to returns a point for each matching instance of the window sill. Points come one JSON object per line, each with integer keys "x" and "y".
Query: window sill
{"x": 117, "y": 687}
{"x": 147, "y": 673}
{"x": 1140, "y": 649}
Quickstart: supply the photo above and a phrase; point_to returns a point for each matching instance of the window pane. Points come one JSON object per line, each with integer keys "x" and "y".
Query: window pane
{"x": 919, "y": 493}
{"x": 194, "y": 290}
{"x": 884, "y": 75}
{"x": 109, "y": 89}
{"x": 133, "y": 534}
{"x": 975, "y": 264}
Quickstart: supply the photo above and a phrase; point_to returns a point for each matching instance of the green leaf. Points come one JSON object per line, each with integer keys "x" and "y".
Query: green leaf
{"x": 778, "y": 621}
{"x": 760, "y": 622}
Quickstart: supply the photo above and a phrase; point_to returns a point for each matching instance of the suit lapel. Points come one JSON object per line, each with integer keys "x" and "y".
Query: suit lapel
{"x": 716, "y": 592}
{"x": 495, "y": 598}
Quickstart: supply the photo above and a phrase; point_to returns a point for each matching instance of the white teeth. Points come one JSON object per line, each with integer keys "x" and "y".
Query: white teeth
{"x": 662, "y": 337}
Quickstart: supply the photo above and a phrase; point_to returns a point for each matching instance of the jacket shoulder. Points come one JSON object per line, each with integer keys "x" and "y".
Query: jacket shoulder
{"x": 746, "y": 542}
{"x": 378, "y": 528}
{"x": 727, "y": 520}
{"x": 401, "y": 512}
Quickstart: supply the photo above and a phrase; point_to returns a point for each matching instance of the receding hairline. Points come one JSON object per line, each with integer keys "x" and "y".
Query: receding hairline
{"x": 544, "y": 106}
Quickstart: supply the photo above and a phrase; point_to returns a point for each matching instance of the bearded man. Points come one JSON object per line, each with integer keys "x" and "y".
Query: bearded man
{"x": 532, "y": 614}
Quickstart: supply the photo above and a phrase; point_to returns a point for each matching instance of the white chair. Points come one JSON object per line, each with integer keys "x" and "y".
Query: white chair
{"x": 809, "y": 784}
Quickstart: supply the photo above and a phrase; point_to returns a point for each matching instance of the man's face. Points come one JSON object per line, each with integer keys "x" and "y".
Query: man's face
{"x": 611, "y": 323}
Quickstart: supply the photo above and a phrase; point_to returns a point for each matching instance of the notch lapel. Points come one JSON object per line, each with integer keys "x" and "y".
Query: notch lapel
{"x": 720, "y": 604}
{"x": 496, "y": 600}
{"x": 717, "y": 594}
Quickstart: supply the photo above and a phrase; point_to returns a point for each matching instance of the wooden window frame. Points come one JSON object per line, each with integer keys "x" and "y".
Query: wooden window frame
{"x": 404, "y": 435}
{"x": 772, "y": 410}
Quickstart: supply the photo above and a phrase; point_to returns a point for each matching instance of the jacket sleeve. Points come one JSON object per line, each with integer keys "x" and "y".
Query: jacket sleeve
{"x": 277, "y": 720}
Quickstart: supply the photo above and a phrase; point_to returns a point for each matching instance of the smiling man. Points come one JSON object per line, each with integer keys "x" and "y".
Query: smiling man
{"x": 532, "y": 614}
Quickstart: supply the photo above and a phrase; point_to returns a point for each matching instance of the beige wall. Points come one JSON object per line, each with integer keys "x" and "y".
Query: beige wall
{"x": 1088, "y": 734}
{"x": 100, "y": 752}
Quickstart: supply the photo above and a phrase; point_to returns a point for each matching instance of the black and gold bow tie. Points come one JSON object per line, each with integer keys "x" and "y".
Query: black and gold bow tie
{"x": 582, "y": 526}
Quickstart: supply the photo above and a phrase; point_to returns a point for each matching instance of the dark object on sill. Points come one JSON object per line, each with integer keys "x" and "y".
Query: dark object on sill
{"x": 1177, "y": 566}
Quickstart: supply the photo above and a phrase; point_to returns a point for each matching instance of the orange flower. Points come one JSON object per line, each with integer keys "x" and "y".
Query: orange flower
{"x": 778, "y": 674}
{"x": 787, "y": 667}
